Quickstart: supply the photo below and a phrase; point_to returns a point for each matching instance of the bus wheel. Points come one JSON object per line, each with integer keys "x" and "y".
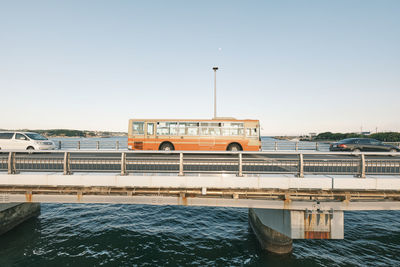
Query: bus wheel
{"x": 234, "y": 147}
{"x": 167, "y": 147}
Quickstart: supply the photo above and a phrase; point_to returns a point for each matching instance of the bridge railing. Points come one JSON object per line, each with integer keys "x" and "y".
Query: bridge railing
{"x": 91, "y": 144}
{"x": 195, "y": 162}
{"x": 267, "y": 145}
{"x": 280, "y": 145}
{"x": 294, "y": 146}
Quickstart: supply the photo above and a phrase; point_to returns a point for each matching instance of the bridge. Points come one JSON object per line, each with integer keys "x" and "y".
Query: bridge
{"x": 290, "y": 195}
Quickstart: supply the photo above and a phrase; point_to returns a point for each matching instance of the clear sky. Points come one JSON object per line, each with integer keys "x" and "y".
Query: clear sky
{"x": 298, "y": 66}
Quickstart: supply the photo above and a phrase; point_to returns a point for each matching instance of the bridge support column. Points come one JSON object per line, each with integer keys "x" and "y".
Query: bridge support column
{"x": 276, "y": 229}
{"x": 13, "y": 214}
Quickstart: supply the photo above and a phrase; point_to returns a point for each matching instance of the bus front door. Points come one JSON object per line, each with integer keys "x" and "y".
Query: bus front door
{"x": 149, "y": 139}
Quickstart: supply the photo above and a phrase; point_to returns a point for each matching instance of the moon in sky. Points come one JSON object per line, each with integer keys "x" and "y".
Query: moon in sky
{"x": 220, "y": 49}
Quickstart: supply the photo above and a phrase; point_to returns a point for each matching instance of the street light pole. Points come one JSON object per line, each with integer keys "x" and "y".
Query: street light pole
{"x": 215, "y": 92}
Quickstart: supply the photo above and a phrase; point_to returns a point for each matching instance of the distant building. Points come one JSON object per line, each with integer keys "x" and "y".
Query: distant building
{"x": 312, "y": 135}
{"x": 365, "y": 133}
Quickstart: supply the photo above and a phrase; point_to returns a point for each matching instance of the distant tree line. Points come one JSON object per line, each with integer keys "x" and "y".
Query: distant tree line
{"x": 72, "y": 133}
{"x": 63, "y": 132}
{"x": 385, "y": 137}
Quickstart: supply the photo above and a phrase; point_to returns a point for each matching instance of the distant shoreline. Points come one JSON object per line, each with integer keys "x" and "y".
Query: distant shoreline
{"x": 331, "y": 137}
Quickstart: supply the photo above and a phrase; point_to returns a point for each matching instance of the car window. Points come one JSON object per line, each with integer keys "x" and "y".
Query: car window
{"x": 20, "y": 137}
{"x": 347, "y": 141}
{"x": 375, "y": 142}
{"x": 6, "y": 135}
{"x": 364, "y": 141}
{"x": 36, "y": 136}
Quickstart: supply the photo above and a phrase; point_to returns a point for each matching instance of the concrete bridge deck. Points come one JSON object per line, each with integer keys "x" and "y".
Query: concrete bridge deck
{"x": 323, "y": 192}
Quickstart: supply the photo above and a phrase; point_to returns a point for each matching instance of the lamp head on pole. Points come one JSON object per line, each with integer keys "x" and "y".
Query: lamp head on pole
{"x": 215, "y": 68}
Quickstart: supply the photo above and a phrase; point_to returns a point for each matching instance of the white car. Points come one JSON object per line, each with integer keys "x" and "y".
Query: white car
{"x": 25, "y": 141}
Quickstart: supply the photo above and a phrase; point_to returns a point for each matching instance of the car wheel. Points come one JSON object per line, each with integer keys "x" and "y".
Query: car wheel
{"x": 234, "y": 147}
{"x": 356, "y": 150}
{"x": 167, "y": 147}
{"x": 30, "y": 149}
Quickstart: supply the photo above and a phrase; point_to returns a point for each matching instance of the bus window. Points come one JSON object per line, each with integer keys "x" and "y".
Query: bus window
{"x": 173, "y": 128}
{"x": 236, "y": 125}
{"x": 192, "y": 130}
{"x": 162, "y": 128}
{"x": 233, "y": 131}
{"x": 209, "y": 124}
{"x": 205, "y": 131}
{"x": 210, "y": 128}
{"x": 215, "y": 131}
{"x": 138, "y": 128}
{"x": 251, "y": 132}
{"x": 150, "y": 128}
{"x": 225, "y": 131}
{"x": 182, "y": 128}
{"x": 167, "y": 128}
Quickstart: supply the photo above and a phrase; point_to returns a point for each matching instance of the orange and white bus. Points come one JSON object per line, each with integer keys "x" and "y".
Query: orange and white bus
{"x": 216, "y": 134}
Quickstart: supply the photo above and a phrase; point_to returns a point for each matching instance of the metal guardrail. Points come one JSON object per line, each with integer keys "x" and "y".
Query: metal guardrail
{"x": 122, "y": 145}
{"x": 267, "y": 145}
{"x": 302, "y": 145}
{"x": 189, "y": 163}
{"x": 91, "y": 144}
{"x": 294, "y": 146}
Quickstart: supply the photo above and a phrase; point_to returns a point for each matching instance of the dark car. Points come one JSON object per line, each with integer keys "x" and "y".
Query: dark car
{"x": 362, "y": 144}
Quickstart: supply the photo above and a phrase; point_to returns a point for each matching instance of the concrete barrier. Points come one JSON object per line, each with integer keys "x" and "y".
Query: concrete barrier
{"x": 13, "y": 214}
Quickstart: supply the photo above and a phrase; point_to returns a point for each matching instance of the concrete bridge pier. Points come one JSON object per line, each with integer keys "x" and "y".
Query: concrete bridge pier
{"x": 13, "y": 214}
{"x": 276, "y": 229}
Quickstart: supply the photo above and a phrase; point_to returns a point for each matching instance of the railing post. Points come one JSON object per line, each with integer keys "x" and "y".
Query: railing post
{"x": 362, "y": 166}
{"x": 297, "y": 146}
{"x": 59, "y": 144}
{"x": 240, "y": 173}
{"x": 276, "y": 146}
{"x": 181, "y": 164}
{"x": 117, "y": 145}
{"x": 316, "y": 146}
{"x": 79, "y": 144}
{"x": 11, "y": 163}
{"x": 67, "y": 169}
{"x": 97, "y": 145}
{"x": 301, "y": 166}
{"x": 123, "y": 163}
